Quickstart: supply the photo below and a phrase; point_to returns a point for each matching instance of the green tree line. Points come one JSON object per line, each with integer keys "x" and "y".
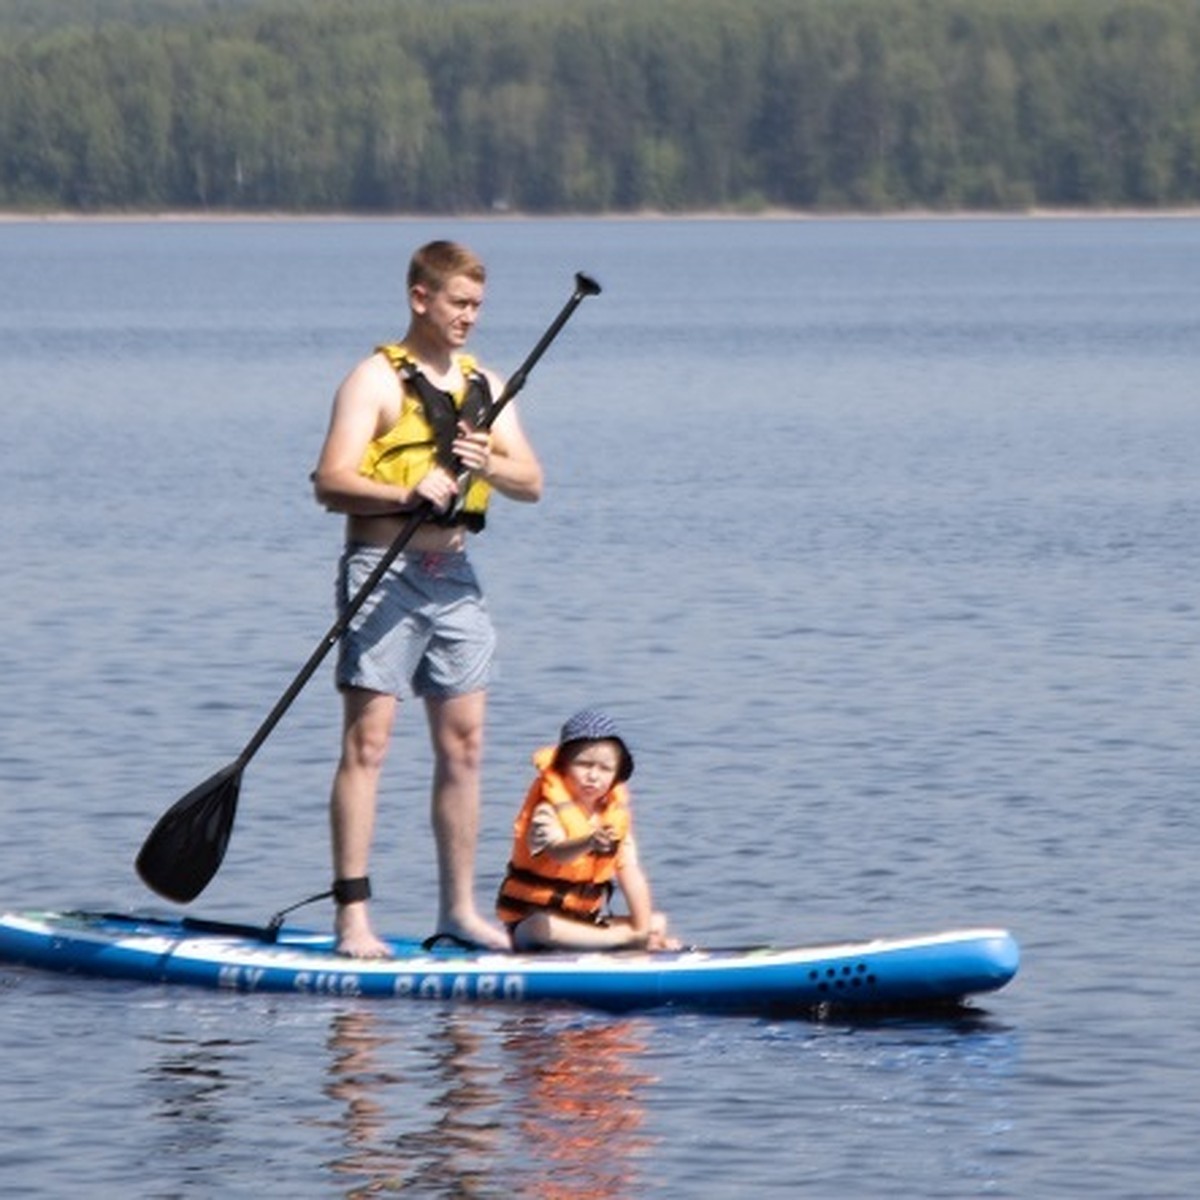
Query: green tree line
{"x": 550, "y": 106}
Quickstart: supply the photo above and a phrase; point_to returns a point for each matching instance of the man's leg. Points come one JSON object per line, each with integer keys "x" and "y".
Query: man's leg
{"x": 456, "y": 732}
{"x": 366, "y": 730}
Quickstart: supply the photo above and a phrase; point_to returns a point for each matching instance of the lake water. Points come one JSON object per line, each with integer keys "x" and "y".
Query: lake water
{"x": 879, "y": 537}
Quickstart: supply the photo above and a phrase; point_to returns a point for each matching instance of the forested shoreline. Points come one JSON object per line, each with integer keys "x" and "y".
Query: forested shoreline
{"x": 598, "y": 106}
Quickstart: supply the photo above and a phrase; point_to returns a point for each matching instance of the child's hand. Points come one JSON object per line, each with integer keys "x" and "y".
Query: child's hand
{"x": 659, "y": 938}
{"x": 604, "y": 841}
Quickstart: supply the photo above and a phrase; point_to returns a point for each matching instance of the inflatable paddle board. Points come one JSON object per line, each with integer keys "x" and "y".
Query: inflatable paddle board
{"x": 930, "y": 970}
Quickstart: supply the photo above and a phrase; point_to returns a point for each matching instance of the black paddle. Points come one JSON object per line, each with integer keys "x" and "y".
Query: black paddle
{"x": 185, "y": 848}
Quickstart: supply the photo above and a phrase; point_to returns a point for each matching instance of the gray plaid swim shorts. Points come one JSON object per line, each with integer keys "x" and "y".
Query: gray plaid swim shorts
{"x": 425, "y": 629}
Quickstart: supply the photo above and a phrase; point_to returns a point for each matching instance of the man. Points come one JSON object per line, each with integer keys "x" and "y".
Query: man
{"x": 403, "y": 425}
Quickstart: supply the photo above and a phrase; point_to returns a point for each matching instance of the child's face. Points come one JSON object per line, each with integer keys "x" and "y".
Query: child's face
{"x": 592, "y": 771}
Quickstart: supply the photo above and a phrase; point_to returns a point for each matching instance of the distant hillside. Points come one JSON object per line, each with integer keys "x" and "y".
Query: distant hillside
{"x": 598, "y": 105}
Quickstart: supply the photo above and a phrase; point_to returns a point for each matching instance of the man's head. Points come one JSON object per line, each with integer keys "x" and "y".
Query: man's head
{"x": 445, "y": 293}
{"x": 436, "y": 263}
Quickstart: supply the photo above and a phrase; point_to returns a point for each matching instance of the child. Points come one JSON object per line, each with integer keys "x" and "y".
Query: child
{"x": 571, "y": 839}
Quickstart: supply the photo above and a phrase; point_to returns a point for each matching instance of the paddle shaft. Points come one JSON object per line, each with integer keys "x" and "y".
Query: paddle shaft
{"x": 584, "y": 286}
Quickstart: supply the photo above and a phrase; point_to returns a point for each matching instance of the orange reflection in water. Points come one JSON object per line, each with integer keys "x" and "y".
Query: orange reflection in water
{"x": 540, "y": 1104}
{"x": 581, "y": 1112}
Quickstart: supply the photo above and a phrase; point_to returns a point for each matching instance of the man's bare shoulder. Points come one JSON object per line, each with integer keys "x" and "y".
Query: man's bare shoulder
{"x": 372, "y": 381}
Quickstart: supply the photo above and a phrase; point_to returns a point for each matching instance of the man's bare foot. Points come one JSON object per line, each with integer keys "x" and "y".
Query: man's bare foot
{"x": 355, "y": 938}
{"x": 477, "y": 931}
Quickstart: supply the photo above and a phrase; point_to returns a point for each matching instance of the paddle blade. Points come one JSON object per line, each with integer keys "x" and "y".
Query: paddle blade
{"x": 185, "y": 849}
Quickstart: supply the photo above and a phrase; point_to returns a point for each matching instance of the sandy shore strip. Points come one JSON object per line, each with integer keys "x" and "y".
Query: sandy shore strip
{"x": 212, "y": 216}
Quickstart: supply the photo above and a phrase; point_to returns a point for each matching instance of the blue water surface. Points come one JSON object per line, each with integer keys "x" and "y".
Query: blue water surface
{"x": 878, "y": 537}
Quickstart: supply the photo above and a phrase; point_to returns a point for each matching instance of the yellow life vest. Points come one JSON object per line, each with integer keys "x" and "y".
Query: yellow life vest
{"x": 425, "y": 430}
{"x": 579, "y": 888}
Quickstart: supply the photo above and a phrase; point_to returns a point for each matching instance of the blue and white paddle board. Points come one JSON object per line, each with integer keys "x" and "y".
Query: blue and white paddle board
{"x": 930, "y": 970}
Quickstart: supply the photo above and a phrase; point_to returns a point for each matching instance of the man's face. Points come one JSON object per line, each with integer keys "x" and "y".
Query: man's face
{"x": 452, "y": 311}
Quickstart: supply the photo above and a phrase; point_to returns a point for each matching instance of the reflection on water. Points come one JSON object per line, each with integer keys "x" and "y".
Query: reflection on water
{"x": 356, "y": 1099}
{"x": 198, "y": 1086}
{"x": 194, "y": 1079}
{"x": 191, "y": 1081}
{"x": 453, "y": 1149}
{"x": 582, "y": 1106}
{"x": 439, "y": 1102}
{"x": 575, "y": 1087}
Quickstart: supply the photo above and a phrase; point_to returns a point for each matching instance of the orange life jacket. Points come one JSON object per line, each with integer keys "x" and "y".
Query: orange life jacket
{"x": 579, "y": 888}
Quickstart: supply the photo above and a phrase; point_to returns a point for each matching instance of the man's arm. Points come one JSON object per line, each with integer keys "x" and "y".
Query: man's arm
{"x": 505, "y": 458}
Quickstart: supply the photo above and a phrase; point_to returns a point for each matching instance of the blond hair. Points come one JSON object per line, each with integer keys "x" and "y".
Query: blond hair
{"x": 436, "y": 263}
